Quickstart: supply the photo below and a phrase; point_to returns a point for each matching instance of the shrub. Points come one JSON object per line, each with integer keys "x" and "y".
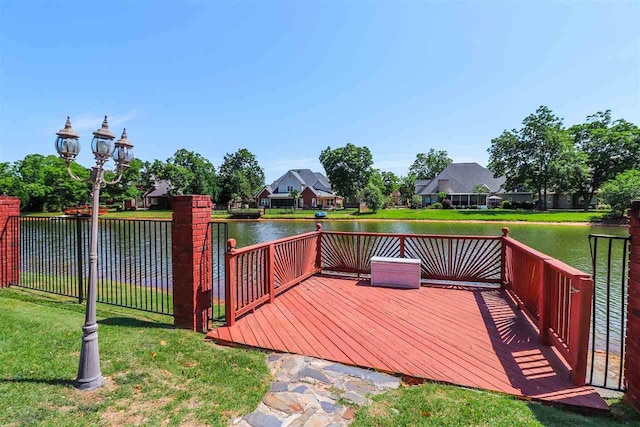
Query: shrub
{"x": 416, "y": 201}
{"x": 528, "y": 205}
{"x": 506, "y": 204}
{"x": 620, "y": 191}
{"x": 446, "y": 204}
{"x": 373, "y": 197}
{"x": 474, "y": 206}
{"x": 604, "y": 207}
{"x": 436, "y": 205}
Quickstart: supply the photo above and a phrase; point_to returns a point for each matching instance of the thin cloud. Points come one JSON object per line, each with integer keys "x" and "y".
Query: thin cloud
{"x": 91, "y": 122}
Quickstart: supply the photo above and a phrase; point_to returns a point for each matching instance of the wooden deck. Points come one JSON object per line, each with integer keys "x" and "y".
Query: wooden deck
{"x": 475, "y": 338}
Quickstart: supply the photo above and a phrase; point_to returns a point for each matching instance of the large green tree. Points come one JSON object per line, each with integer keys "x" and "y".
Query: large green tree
{"x": 407, "y": 188}
{"x": 348, "y": 168}
{"x": 46, "y": 184}
{"x": 531, "y": 157}
{"x": 188, "y": 173}
{"x": 429, "y": 165}
{"x": 390, "y": 181}
{"x": 132, "y": 184}
{"x": 620, "y": 191}
{"x": 607, "y": 148}
{"x": 240, "y": 174}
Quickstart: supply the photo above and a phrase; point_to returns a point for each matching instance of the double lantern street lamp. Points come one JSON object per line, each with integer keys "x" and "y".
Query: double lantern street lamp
{"x": 68, "y": 147}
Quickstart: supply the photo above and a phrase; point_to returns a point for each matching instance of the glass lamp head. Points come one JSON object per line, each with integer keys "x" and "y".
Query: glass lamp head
{"x": 123, "y": 153}
{"x": 67, "y": 142}
{"x": 102, "y": 143}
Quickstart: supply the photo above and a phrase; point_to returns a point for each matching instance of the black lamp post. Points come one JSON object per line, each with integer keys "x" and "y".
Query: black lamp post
{"x": 68, "y": 147}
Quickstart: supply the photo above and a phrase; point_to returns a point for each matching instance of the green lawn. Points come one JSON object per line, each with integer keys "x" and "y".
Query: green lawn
{"x": 155, "y": 374}
{"x": 441, "y": 405}
{"x": 109, "y": 291}
{"x": 499, "y": 215}
{"x": 449, "y": 215}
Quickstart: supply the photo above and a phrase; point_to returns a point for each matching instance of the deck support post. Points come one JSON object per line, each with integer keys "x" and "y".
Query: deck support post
{"x": 271, "y": 273}
{"x": 544, "y": 278}
{"x": 632, "y": 351}
{"x": 579, "y": 321}
{"x": 503, "y": 258}
{"x": 191, "y": 256}
{"x": 9, "y": 240}
{"x": 230, "y": 284}
{"x": 319, "y": 248}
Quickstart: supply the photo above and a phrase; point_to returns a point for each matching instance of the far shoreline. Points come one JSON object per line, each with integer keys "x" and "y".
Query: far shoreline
{"x": 437, "y": 221}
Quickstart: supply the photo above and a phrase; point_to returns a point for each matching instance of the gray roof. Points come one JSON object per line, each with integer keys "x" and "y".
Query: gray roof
{"x": 462, "y": 178}
{"x": 161, "y": 189}
{"x": 307, "y": 178}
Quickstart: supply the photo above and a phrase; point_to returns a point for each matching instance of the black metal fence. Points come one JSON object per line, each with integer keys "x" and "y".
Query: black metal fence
{"x": 134, "y": 260}
{"x": 609, "y": 256}
{"x": 217, "y": 235}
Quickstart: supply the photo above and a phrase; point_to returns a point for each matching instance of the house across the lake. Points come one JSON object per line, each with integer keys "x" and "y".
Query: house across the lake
{"x": 468, "y": 184}
{"x": 158, "y": 197}
{"x": 314, "y": 191}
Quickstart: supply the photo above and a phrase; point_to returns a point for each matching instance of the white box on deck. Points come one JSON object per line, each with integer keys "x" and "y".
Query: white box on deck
{"x": 395, "y": 272}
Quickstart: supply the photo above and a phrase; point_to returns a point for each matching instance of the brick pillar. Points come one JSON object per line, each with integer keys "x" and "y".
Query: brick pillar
{"x": 632, "y": 358}
{"x": 191, "y": 255}
{"x": 9, "y": 240}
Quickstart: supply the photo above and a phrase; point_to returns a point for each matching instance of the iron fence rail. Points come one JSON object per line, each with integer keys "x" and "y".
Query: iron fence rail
{"x": 217, "y": 235}
{"x": 608, "y": 325}
{"x": 134, "y": 259}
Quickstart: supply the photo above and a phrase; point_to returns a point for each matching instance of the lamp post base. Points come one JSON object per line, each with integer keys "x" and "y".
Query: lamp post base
{"x": 89, "y": 374}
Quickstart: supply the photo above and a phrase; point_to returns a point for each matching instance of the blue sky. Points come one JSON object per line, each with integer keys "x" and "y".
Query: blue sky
{"x": 287, "y": 79}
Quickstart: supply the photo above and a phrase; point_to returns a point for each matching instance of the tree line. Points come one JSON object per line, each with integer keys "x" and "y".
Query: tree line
{"x": 601, "y": 155}
{"x": 43, "y": 184}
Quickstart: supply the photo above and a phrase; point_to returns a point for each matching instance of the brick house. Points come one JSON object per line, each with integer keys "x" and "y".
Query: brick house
{"x": 314, "y": 189}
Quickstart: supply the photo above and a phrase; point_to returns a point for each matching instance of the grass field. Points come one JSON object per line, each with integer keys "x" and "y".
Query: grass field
{"x": 158, "y": 375}
{"x": 449, "y": 215}
{"x": 440, "y": 405}
{"x": 498, "y": 215}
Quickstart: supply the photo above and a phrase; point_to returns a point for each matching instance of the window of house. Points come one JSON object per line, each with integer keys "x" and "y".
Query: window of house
{"x": 289, "y": 188}
{"x": 330, "y": 202}
{"x": 264, "y": 202}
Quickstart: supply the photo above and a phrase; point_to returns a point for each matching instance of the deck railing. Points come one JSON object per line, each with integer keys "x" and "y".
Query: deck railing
{"x": 557, "y": 299}
{"x": 256, "y": 274}
{"x": 555, "y": 296}
{"x": 443, "y": 257}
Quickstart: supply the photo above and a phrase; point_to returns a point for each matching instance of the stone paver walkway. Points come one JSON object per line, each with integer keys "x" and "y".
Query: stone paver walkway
{"x": 308, "y": 392}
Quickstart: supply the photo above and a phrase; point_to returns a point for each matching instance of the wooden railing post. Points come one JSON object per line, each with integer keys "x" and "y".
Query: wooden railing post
{"x": 319, "y": 248}
{"x": 545, "y": 281}
{"x": 230, "y": 284}
{"x": 401, "y": 246}
{"x": 271, "y": 272}
{"x": 579, "y": 321}
{"x": 503, "y": 258}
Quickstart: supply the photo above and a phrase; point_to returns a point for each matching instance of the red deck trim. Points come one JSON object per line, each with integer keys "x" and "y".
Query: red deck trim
{"x": 475, "y": 338}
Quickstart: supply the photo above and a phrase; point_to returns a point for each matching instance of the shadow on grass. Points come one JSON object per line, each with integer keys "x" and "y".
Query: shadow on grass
{"x": 134, "y": 323}
{"x": 54, "y": 381}
{"x": 621, "y": 414}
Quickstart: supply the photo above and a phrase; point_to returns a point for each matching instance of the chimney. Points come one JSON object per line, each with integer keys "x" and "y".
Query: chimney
{"x": 443, "y": 185}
